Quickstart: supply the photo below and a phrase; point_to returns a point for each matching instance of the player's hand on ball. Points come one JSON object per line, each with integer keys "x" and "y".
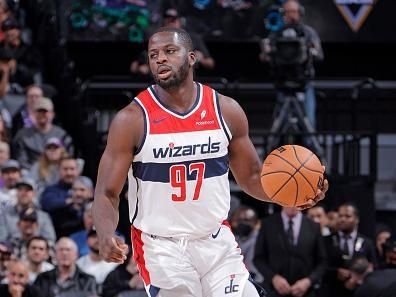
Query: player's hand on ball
{"x": 113, "y": 249}
{"x": 320, "y": 195}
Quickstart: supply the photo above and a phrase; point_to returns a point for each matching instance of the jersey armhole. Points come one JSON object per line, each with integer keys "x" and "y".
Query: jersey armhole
{"x": 224, "y": 126}
{"x": 146, "y": 127}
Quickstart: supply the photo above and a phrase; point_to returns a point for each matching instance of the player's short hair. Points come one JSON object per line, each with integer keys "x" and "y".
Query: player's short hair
{"x": 183, "y": 35}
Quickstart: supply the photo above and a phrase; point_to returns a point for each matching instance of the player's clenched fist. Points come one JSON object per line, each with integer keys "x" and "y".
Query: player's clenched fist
{"x": 113, "y": 249}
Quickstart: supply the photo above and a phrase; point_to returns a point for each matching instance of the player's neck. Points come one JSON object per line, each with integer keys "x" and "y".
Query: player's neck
{"x": 181, "y": 98}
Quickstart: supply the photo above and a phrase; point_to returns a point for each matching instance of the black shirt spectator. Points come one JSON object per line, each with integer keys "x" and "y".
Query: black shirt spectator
{"x": 26, "y": 61}
{"x": 28, "y": 292}
{"x": 124, "y": 278}
{"x": 18, "y": 278}
{"x": 343, "y": 246}
{"x": 390, "y": 252}
{"x": 66, "y": 279}
{"x": 79, "y": 284}
{"x": 381, "y": 235}
{"x": 370, "y": 282}
{"x": 69, "y": 219}
{"x": 290, "y": 253}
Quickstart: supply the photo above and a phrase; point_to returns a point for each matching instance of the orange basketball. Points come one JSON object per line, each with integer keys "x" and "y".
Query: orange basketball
{"x": 291, "y": 175}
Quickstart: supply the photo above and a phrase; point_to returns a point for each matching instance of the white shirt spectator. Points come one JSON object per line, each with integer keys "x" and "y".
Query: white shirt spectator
{"x": 45, "y": 266}
{"x": 98, "y": 269}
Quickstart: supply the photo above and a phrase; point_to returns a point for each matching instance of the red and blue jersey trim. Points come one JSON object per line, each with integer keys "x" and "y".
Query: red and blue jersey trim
{"x": 159, "y": 172}
{"x": 202, "y": 116}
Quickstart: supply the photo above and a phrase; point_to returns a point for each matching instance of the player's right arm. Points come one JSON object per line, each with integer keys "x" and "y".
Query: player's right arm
{"x": 124, "y": 136}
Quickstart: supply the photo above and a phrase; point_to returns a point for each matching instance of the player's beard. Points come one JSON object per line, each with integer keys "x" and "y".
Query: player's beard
{"x": 176, "y": 79}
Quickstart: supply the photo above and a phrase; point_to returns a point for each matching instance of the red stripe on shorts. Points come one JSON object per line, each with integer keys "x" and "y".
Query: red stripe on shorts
{"x": 138, "y": 254}
{"x": 226, "y": 223}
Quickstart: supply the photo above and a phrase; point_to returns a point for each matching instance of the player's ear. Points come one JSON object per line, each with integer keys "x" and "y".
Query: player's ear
{"x": 192, "y": 58}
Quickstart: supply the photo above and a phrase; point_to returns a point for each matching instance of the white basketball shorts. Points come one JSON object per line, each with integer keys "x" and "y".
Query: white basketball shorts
{"x": 211, "y": 266}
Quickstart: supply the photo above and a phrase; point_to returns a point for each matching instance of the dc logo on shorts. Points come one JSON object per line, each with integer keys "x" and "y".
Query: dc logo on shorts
{"x": 231, "y": 288}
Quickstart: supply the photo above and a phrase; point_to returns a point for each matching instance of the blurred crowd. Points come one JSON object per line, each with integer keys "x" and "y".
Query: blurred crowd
{"x": 48, "y": 244}
{"x": 317, "y": 253}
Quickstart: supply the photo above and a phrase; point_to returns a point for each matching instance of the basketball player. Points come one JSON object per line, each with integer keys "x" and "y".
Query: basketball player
{"x": 177, "y": 139}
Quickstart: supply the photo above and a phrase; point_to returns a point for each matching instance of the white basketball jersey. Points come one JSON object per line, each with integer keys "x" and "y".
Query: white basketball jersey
{"x": 178, "y": 181}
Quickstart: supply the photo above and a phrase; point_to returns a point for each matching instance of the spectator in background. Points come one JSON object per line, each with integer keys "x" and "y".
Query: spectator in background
{"x": 93, "y": 263}
{"x": 69, "y": 219}
{"x": 81, "y": 237}
{"x": 245, "y": 226}
{"x": 28, "y": 228}
{"x": 124, "y": 279}
{"x": 25, "y": 118}
{"x": 4, "y": 14}
{"x": 318, "y": 215}
{"x": 290, "y": 253}
{"x": 390, "y": 252}
{"x": 18, "y": 282}
{"x": 4, "y": 134}
{"x": 204, "y": 59}
{"x": 301, "y": 72}
{"x": 172, "y": 19}
{"x": 382, "y": 233}
{"x": 4, "y": 153}
{"x": 55, "y": 196}
{"x": 4, "y": 156}
{"x": 5, "y": 68}
{"x": 5, "y": 257}
{"x": 3, "y": 229}
{"x": 341, "y": 247}
{"x": 236, "y": 17}
{"x": 37, "y": 256}
{"x": 25, "y": 201}
{"x": 29, "y": 143}
{"x": 66, "y": 279}
{"x": 26, "y": 61}
{"x": 45, "y": 171}
{"x": 10, "y": 174}
{"x": 332, "y": 221}
{"x": 370, "y": 282}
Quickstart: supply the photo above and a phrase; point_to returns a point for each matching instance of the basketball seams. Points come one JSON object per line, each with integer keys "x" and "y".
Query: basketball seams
{"x": 284, "y": 184}
{"x": 295, "y": 200}
{"x": 302, "y": 165}
{"x": 291, "y": 177}
{"x": 280, "y": 157}
{"x": 275, "y": 173}
{"x": 306, "y": 179}
{"x": 313, "y": 170}
{"x": 298, "y": 159}
{"x": 297, "y": 169}
{"x": 297, "y": 164}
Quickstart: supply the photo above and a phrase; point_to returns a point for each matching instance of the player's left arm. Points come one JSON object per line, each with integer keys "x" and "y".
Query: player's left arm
{"x": 245, "y": 163}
